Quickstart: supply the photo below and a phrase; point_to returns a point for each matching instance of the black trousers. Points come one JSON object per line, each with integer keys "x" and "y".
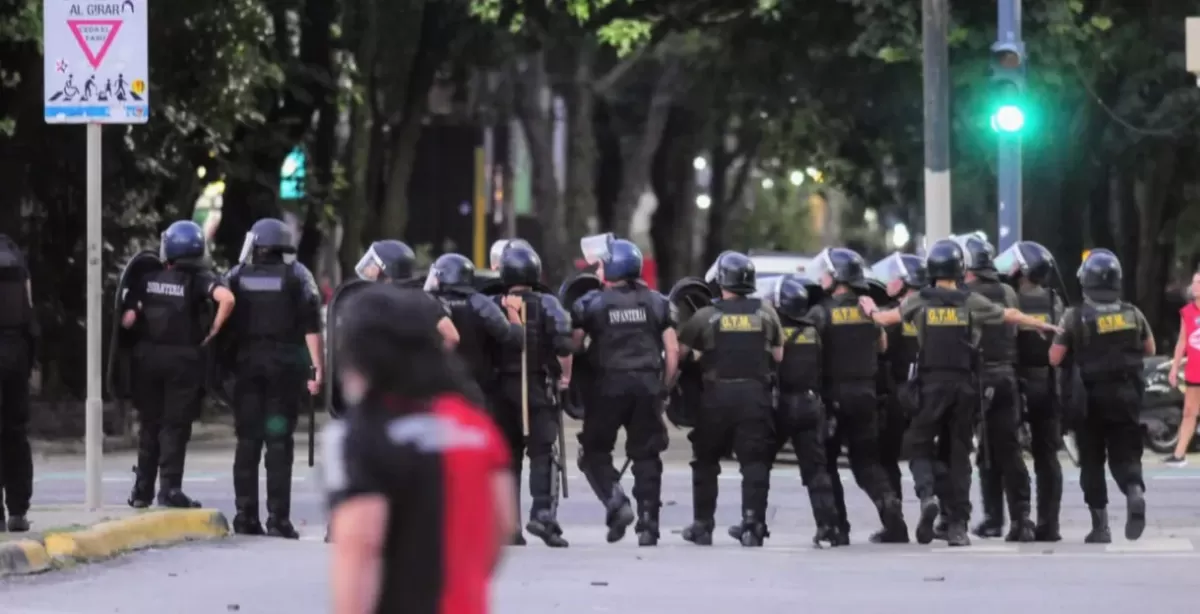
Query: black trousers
{"x": 800, "y": 419}
{"x": 894, "y": 418}
{"x": 167, "y": 395}
{"x": 16, "y": 459}
{"x": 1045, "y": 430}
{"x": 855, "y": 408}
{"x": 735, "y": 415}
{"x": 1002, "y": 469}
{"x": 267, "y": 397}
{"x": 629, "y": 400}
{"x": 543, "y": 433}
{"x": 1110, "y": 432}
{"x": 941, "y": 433}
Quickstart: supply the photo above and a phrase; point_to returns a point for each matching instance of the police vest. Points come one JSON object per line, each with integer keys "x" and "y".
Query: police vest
{"x": 1112, "y": 345}
{"x": 739, "y": 342}
{"x": 903, "y": 348}
{"x": 169, "y": 313}
{"x": 15, "y": 310}
{"x": 944, "y": 330}
{"x": 539, "y": 349}
{"x": 267, "y": 308}
{"x": 627, "y": 335}
{"x": 800, "y": 369}
{"x": 464, "y": 313}
{"x": 851, "y": 342}
{"x": 1033, "y": 349}
{"x": 997, "y": 342}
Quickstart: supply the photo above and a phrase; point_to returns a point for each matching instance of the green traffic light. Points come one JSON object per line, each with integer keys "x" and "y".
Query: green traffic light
{"x": 1008, "y": 118}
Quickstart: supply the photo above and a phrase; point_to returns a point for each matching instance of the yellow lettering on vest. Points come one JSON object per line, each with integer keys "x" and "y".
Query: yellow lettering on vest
{"x": 800, "y": 336}
{"x": 847, "y": 315}
{"x": 910, "y": 329}
{"x": 944, "y": 316}
{"x": 1115, "y": 323}
{"x": 740, "y": 323}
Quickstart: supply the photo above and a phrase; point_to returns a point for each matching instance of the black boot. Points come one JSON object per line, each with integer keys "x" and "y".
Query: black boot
{"x": 754, "y": 531}
{"x": 1021, "y": 527}
{"x": 1100, "y": 534}
{"x": 518, "y": 539}
{"x": 278, "y": 526}
{"x": 543, "y": 526}
{"x": 989, "y": 527}
{"x": 1047, "y": 532}
{"x": 647, "y": 526}
{"x": 829, "y": 534}
{"x": 17, "y": 523}
{"x": 700, "y": 533}
{"x": 1135, "y": 512}
{"x": 175, "y": 498}
{"x": 925, "y": 525}
{"x": 245, "y": 523}
{"x": 941, "y": 528}
{"x": 620, "y": 516}
{"x": 956, "y": 534}
{"x": 895, "y": 530}
{"x": 142, "y": 495}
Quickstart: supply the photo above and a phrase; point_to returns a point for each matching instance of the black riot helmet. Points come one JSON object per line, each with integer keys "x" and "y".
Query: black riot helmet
{"x": 451, "y": 271}
{"x": 1100, "y": 277}
{"x": 790, "y": 296}
{"x": 1027, "y": 259}
{"x": 387, "y": 259}
{"x": 735, "y": 273}
{"x": 269, "y": 240}
{"x": 183, "y": 241}
{"x": 905, "y": 268}
{"x": 978, "y": 253}
{"x": 842, "y": 265}
{"x": 498, "y": 250}
{"x": 520, "y": 265}
{"x": 622, "y": 262}
{"x": 944, "y": 260}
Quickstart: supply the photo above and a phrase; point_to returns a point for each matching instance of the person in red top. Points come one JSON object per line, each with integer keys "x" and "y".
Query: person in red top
{"x": 421, "y": 494}
{"x": 1188, "y": 345}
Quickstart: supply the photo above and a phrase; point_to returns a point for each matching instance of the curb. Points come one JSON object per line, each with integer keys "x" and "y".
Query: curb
{"x": 108, "y": 539}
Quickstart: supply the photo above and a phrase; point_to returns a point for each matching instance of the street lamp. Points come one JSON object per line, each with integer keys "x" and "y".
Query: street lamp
{"x": 703, "y": 201}
{"x": 699, "y": 163}
{"x": 797, "y": 178}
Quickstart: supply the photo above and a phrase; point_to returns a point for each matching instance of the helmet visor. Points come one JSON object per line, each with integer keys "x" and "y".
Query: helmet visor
{"x": 247, "y": 248}
{"x": 595, "y": 247}
{"x": 889, "y": 269}
{"x": 819, "y": 266}
{"x": 495, "y": 253}
{"x": 370, "y": 266}
{"x": 1011, "y": 261}
{"x": 431, "y": 281}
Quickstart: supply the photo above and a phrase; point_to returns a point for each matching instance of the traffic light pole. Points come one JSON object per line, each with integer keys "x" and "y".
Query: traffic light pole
{"x": 936, "y": 64}
{"x": 1008, "y": 160}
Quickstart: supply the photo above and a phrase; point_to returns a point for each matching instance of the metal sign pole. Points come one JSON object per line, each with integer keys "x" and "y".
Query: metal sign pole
{"x": 94, "y": 448}
{"x": 1008, "y": 161}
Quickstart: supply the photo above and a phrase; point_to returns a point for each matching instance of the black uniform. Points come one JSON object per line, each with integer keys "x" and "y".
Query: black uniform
{"x": 278, "y": 304}
{"x": 1041, "y": 408}
{"x": 169, "y": 365}
{"x": 900, "y": 404}
{"x": 851, "y": 343}
{"x": 17, "y": 332}
{"x": 1001, "y": 464}
{"x": 625, "y": 324}
{"x": 482, "y": 327}
{"x": 547, "y": 337}
{"x": 800, "y": 419}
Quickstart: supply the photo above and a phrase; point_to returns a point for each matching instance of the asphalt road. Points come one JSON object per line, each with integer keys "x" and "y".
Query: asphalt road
{"x": 269, "y": 576}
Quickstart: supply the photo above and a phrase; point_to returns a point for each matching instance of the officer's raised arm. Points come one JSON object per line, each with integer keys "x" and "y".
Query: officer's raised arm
{"x": 497, "y": 325}
{"x": 894, "y": 316}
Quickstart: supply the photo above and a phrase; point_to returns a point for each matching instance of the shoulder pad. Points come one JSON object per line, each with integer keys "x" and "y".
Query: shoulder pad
{"x": 590, "y": 297}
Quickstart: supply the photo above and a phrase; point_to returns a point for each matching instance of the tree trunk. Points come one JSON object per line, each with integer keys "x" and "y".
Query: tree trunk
{"x": 674, "y": 183}
{"x": 354, "y": 208}
{"x": 1157, "y": 205}
{"x": 638, "y": 149}
{"x": 580, "y": 198}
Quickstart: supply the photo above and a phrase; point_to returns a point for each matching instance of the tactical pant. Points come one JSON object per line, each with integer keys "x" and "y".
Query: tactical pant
{"x": 800, "y": 419}
{"x": 1111, "y": 432}
{"x": 628, "y": 399}
{"x": 855, "y": 410}
{"x": 941, "y": 432}
{"x": 1045, "y": 430}
{"x": 1001, "y": 463}
{"x": 267, "y": 396}
{"x": 895, "y": 416}
{"x": 539, "y": 445}
{"x": 167, "y": 394}
{"x": 16, "y": 459}
{"x": 735, "y": 414}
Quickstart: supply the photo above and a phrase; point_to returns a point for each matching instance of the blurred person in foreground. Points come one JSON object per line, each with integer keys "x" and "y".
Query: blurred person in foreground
{"x": 421, "y": 491}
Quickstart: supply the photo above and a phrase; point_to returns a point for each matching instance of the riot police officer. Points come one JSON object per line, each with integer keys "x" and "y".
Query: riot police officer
{"x": 1105, "y": 340}
{"x": 278, "y": 315}
{"x": 1031, "y": 265}
{"x": 633, "y": 353}
{"x": 166, "y": 306}
{"x": 800, "y": 414}
{"x": 18, "y": 330}
{"x": 739, "y": 340}
{"x": 1002, "y": 469}
{"x": 391, "y": 261}
{"x": 547, "y": 356}
{"x": 852, "y": 343}
{"x": 949, "y": 322}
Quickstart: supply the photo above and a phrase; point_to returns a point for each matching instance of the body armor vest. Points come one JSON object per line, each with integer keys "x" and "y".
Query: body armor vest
{"x": 539, "y": 350}
{"x": 471, "y": 336}
{"x": 628, "y": 338}
{"x": 1112, "y": 343}
{"x": 945, "y": 333}
{"x": 800, "y": 370}
{"x": 1033, "y": 349}
{"x": 266, "y": 307}
{"x": 740, "y": 342}
{"x": 15, "y": 311}
{"x": 169, "y": 309}
{"x": 851, "y": 342}
{"x": 997, "y": 342}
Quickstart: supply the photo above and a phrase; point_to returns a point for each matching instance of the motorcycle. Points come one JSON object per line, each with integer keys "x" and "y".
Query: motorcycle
{"x": 1162, "y": 406}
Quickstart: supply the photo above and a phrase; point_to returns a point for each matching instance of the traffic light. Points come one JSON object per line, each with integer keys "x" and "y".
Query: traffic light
{"x": 1008, "y": 88}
